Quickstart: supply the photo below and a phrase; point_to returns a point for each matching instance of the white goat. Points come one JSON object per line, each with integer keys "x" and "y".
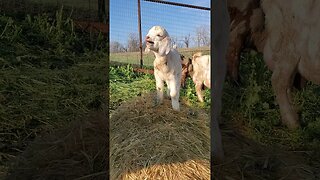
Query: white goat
{"x": 199, "y": 71}
{"x": 167, "y": 65}
{"x": 292, "y": 46}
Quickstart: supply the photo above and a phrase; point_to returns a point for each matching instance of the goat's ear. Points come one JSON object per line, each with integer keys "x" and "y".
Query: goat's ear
{"x": 190, "y": 68}
{"x": 164, "y": 47}
{"x": 198, "y": 54}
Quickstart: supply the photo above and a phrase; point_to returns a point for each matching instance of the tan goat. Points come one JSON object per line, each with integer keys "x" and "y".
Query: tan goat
{"x": 199, "y": 70}
{"x": 292, "y": 46}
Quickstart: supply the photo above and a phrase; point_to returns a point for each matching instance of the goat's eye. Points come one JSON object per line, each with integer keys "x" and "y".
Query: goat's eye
{"x": 158, "y": 35}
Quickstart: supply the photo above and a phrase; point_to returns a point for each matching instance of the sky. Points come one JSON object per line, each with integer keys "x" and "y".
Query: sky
{"x": 178, "y": 21}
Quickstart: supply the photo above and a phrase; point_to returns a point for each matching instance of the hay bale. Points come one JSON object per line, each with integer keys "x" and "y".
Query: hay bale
{"x": 149, "y": 142}
{"x": 77, "y": 151}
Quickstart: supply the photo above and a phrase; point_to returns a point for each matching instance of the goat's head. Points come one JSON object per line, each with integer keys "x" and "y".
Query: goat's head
{"x": 196, "y": 55}
{"x": 158, "y": 40}
{"x": 192, "y": 62}
{"x": 186, "y": 69}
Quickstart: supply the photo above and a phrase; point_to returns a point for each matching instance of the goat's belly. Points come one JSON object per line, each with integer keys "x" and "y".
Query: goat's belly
{"x": 310, "y": 70}
{"x": 165, "y": 76}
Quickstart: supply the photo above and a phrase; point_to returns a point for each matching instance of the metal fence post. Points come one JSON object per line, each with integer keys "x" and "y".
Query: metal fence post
{"x": 140, "y": 33}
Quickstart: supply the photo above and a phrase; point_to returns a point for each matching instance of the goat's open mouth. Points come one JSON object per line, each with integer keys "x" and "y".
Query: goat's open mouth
{"x": 150, "y": 42}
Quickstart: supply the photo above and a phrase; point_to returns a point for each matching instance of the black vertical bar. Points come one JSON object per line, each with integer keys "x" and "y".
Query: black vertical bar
{"x": 140, "y": 34}
{"x": 179, "y": 4}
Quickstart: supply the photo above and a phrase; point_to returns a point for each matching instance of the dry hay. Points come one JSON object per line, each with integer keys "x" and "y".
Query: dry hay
{"x": 149, "y": 142}
{"x": 246, "y": 159}
{"x": 79, "y": 151}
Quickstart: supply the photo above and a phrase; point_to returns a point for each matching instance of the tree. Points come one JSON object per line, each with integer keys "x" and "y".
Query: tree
{"x": 133, "y": 42}
{"x": 186, "y": 40}
{"x": 115, "y": 47}
{"x": 203, "y": 35}
{"x": 174, "y": 41}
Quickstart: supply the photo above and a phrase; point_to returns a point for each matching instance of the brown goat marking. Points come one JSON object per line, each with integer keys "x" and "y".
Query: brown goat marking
{"x": 237, "y": 44}
{"x": 185, "y": 69}
{"x": 256, "y": 36}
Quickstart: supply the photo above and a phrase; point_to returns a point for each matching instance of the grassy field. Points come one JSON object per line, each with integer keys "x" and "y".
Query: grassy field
{"x": 251, "y": 111}
{"x": 250, "y": 107}
{"x": 50, "y": 74}
{"x": 134, "y": 57}
{"x": 85, "y": 4}
{"x": 84, "y": 10}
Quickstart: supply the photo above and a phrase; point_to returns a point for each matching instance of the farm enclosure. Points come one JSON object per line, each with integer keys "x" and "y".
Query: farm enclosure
{"x": 49, "y": 81}
{"x": 249, "y": 110}
{"x": 188, "y": 28}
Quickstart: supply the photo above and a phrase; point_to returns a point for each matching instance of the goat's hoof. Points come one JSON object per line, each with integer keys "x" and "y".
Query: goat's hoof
{"x": 167, "y": 96}
{"x": 176, "y": 109}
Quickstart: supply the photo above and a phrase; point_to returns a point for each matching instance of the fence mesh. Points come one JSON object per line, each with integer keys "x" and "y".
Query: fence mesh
{"x": 188, "y": 28}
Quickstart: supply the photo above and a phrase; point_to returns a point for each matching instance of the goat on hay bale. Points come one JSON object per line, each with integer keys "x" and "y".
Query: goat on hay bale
{"x": 148, "y": 142}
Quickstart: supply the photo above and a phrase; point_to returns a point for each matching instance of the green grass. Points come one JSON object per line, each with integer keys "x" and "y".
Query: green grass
{"x": 251, "y": 108}
{"x": 50, "y": 75}
{"x": 134, "y": 57}
{"x": 81, "y": 4}
{"x": 126, "y": 84}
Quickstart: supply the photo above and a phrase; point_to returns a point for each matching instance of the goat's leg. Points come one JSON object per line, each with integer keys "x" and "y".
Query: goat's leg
{"x": 207, "y": 83}
{"x": 233, "y": 55}
{"x": 168, "y": 90}
{"x": 233, "y": 62}
{"x": 174, "y": 94}
{"x": 183, "y": 78}
{"x": 199, "y": 91}
{"x": 282, "y": 79}
{"x": 160, "y": 87}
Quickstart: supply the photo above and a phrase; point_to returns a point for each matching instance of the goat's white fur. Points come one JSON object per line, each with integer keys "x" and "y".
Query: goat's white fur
{"x": 200, "y": 72}
{"x": 167, "y": 65}
{"x": 292, "y": 46}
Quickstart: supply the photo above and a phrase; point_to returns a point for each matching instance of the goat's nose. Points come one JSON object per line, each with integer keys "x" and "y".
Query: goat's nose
{"x": 147, "y": 37}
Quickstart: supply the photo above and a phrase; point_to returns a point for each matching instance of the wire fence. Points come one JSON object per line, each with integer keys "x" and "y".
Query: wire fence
{"x": 187, "y": 22}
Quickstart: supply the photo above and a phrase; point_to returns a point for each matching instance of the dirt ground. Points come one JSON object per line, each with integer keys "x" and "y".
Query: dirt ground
{"x": 246, "y": 159}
